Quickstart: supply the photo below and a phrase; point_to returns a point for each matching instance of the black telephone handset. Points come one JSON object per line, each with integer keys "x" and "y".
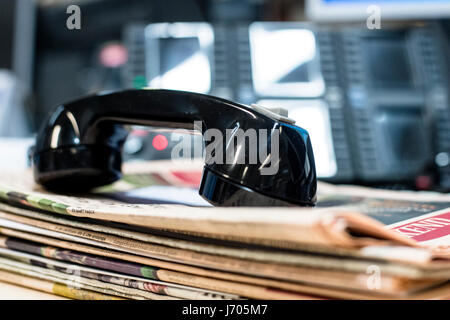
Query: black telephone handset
{"x": 80, "y": 145}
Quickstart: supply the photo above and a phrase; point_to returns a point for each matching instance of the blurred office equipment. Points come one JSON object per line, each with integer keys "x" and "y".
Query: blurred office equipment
{"x": 376, "y": 102}
{"x": 397, "y": 88}
{"x": 182, "y": 56}
{"x": 294, "y": 66}
{"x": 350, "y": 10}
{"x": 79, "y": 52}
{"x": 13, "y": 120}
{"x": 241, "y": 62}
{"x": 396, "y": 84}
{"x": 17, "y": 31}
{"x": 17, "y": 24}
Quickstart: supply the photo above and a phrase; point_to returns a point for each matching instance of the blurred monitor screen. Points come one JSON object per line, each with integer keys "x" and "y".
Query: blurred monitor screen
{"x": 387, "y": 61}
{"x": 313, "y": 116}
{"x": 179, "y": 56}
{"x": 335, "y": 10}
{"x": 285, "y": 61}
{"x": 404, "y": 135}
{"x": 7, "y": 15}
{"x": 176, "y": 52}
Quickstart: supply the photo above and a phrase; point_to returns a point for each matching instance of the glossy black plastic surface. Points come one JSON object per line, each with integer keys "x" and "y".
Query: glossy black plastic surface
{"x": 79, "y": 147}
{"x": 220, "y": 191}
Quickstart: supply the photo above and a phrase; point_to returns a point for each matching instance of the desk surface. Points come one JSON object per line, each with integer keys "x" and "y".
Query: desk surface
{"x": 12, "y": 292}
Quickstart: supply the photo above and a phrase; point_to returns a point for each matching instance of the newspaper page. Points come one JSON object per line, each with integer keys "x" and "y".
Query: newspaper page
{"x": 345, "y": 217}
{"x": 292, "y": 225}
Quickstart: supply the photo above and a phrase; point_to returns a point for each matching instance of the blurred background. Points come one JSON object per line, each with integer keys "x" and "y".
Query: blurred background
{"x": 368, "y": 79}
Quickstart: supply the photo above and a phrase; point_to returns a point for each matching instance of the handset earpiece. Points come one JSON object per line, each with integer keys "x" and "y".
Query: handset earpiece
{"x": 262, "y": 159}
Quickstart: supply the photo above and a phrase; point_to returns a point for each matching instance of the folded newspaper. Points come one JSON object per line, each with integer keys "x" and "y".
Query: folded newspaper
{"x": 150, "y": 236}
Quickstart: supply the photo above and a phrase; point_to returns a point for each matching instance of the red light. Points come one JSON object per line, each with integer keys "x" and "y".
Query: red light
{"x": 424, "y": 182}
{"x": 113, "y": 55}
{"x": 160, "y": 142}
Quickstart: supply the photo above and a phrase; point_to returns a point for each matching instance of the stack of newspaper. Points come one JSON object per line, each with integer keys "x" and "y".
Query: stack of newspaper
{"x": 150, "y": 236}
